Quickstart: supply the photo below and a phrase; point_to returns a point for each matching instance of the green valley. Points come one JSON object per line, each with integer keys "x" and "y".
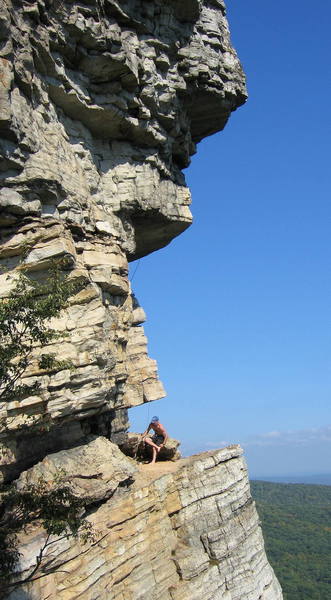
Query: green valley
{"x": 296, "y": 523}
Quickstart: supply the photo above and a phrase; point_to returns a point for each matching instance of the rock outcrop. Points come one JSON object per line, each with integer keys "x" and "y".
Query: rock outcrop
{"x": 102, "y": 104}
{"x": 135, "y": 447}
{"x": 93, "y": 471}
{"x": 183, "y": 531}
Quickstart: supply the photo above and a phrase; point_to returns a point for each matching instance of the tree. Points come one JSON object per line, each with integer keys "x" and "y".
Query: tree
{"x": 55, "y": 508}
{"x": 24, "y": 324}
{"x": 24, "y": 317}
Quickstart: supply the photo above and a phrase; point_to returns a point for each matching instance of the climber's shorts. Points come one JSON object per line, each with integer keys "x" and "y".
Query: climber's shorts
{"x": 158, "y": 439}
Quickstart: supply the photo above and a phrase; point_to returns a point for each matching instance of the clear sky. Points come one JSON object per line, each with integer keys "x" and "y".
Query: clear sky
{"x": 238, "y": 306}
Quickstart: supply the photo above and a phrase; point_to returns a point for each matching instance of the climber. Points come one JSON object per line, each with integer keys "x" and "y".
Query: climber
{"x": 159, "y": 438}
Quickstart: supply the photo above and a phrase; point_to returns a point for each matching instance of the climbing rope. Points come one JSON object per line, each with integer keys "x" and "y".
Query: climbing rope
{"x": 140, "y": 439}
{"x": 136, "y": 269}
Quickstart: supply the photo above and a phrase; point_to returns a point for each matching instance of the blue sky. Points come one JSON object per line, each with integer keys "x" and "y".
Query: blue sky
{"x": 237, "y": 306}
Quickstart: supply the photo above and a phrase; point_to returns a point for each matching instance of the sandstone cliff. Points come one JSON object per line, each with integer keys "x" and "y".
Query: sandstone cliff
{"x": 101, "y": 105}
{"x": 181, "y": 531}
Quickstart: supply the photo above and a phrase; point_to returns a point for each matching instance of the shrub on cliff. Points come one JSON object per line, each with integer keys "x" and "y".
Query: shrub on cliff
{"x": 54, "y": 507}
{"x": 24, "y": 324}
{"x": 24, "y": 318}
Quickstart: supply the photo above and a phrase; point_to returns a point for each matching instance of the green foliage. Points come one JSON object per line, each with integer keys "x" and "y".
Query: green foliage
{"x": 55, "y": 508}
{"x": 296, "y": 523}
{"x": 24, "y": 317}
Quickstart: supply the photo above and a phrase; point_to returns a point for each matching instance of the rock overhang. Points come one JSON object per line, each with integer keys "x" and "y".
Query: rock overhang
{"x": 102, "y": 108}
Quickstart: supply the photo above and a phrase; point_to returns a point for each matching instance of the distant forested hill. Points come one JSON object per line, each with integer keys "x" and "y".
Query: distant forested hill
{"x": 296, "y": 523}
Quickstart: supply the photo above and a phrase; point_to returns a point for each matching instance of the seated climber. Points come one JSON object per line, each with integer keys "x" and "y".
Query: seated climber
{"x": 159, "y": 438}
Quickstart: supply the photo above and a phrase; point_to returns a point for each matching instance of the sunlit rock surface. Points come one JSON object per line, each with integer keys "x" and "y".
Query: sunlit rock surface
{"x": 135, "y": 447}
{"x": 182, "y": 531}
{"x": 102, "y": 104}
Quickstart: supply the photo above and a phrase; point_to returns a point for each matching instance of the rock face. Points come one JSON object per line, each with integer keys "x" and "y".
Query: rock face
{"x": 93, "y": 470}
{"x": 188, "y": 532}
{"x": 102, "y": 104}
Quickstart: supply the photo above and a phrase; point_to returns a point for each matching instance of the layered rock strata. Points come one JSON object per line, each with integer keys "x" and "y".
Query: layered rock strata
{"x": 182, "y": 531}
{"x": 102, "y": 103}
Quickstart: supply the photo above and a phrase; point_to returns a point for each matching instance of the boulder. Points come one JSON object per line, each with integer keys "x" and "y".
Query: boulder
{"x": 135, "y": 447}
{"x": 93, "y": 470}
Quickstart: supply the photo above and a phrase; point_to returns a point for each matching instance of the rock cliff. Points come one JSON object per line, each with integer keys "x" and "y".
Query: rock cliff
{"x": 183, "y": 531}
{"x": 102, "y": 104}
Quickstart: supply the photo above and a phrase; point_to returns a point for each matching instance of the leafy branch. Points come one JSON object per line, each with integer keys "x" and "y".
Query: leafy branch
{"x": 55, "y": 508}
{"x": 24, "y": 317}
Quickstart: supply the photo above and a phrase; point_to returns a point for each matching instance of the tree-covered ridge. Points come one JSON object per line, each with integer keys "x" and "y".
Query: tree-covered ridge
{"x": 296, "y": 523}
